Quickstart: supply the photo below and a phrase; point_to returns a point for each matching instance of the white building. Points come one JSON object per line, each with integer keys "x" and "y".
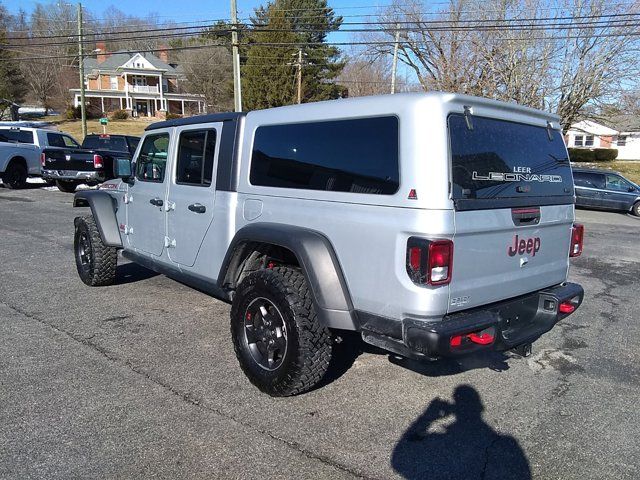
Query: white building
{"x": 625, "y": 138}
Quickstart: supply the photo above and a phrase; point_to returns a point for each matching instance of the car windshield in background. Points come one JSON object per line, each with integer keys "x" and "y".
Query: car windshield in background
{"x": 97, "y": 142}
{"x": 501, "y": 159}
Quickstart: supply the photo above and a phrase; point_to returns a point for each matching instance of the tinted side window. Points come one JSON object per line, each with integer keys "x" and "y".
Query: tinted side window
{"x": 590, "y": 180}
{"x": 69, "y": 142}
{"x": 55, "y": 140}
{"x": 195, "y": 157}
{"x": 152, "y": 160}
{"x": 358, "y": 156}
{"x": 16, "y": 136}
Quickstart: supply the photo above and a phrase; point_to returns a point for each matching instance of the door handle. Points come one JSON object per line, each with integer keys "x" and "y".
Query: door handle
{"x": 156, "y": 201}
{"x": 197, "y": 207}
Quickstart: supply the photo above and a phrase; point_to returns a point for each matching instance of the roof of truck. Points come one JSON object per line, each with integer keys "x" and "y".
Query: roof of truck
{"x": 209, "y": 118}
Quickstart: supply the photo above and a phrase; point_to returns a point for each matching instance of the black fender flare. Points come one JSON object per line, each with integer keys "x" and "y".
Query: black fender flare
{"x": 316, "y": 258}
{"x": 103, "y": 207}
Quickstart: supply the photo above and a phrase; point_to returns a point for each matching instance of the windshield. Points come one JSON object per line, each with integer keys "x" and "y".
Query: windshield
{"x": 507, "y": 160}
{"x": 97, "y": 142}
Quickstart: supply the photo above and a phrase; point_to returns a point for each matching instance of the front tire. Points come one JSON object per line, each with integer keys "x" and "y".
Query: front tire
{"x": 636, "y": 209}
{"x": 15, "y": 176}
{"x": 96, "y": 262}
{"x": 277, "y": 338}
{"x": 66, "y": 186}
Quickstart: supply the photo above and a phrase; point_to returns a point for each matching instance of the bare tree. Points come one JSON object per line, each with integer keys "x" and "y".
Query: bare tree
{"x": 366, "y": 75}
{"x": 208, "y": 71}
{"x": 560, "y": 57}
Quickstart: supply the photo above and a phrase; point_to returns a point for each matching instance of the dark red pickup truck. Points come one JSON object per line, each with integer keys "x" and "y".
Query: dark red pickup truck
{"x": 92, "y": 163}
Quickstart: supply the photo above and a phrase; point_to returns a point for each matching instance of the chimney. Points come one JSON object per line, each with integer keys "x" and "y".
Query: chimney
{"x": 163, "y": 54}
{"x": 102, "y": 54}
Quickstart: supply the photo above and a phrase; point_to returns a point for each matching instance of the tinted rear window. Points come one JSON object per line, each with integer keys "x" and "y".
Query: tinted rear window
{"x": 16, "y": 136}
{"x": 115, "y": 144}
{"x": 500, "y": 159}
{"x": 587, "y": 179}
{"x": 358, "y": 156}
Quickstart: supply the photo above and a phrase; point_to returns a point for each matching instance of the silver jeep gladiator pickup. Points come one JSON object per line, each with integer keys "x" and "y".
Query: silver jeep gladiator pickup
{"x": 435, "y": 225}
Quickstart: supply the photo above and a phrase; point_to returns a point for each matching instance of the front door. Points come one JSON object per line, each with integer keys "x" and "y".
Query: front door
{"x": 141, "y": 108}
{"x": 618, "y": 194}
{"x": 147, "y": 196}
{"x": 192, "y": 191}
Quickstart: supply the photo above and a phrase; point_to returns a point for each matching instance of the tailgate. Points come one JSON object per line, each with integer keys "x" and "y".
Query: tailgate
{"x": 68, "y": 160}
{"x": 494, "y": 259}
{"x": 513, "y": 197}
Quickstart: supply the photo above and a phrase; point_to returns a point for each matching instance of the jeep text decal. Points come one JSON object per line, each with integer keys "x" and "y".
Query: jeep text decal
{"x": 521, "y": 246}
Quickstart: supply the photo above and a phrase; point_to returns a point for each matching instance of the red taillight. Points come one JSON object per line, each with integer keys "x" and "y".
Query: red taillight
{"x": 566, "y": 307}
{"x": 97, "y": 161}
{"x": 43, "y": 159}
{"x": 577, "y": 237}
{"x": 429, "y": 262}
{"x": 440, "y": 262}
{"x": 483, "y": 337}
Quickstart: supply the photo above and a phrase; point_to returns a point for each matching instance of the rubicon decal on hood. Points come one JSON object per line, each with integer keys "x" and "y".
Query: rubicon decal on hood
{"x": 516, "y": 177}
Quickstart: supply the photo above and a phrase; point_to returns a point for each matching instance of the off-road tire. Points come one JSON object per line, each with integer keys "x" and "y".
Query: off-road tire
{"x": 308, "y": 344}
{"x": 636, "y": 209}
{"x": 15, "y": 176}
{"x": 66, "y": 186}
{"x": 96, "y": 262}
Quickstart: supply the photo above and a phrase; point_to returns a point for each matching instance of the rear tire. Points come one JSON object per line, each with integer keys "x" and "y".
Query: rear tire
{"x": 277, "y": 338}
{"x": 66, "y": 186}
{"x": 96, "y": 262}
{"x": 15, "y": 176}
{"x": 636, "y": 209}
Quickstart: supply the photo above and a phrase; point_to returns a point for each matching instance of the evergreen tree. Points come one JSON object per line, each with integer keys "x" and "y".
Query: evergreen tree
{"x": 12, "y": 85}
{"x": 270, "y": 73}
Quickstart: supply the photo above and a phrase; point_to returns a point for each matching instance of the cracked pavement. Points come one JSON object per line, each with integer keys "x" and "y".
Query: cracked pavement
{"x": 139, "y": 379}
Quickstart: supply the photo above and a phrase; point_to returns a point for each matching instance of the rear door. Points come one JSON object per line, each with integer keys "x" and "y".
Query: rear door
{"x": 588, "y": 187}
{"x": 192, "y": 191}
{"x": 513, "y": 194}
{"x": 146, "y": 199}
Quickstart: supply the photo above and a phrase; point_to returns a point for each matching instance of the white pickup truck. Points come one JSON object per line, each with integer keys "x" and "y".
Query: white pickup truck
{"x": 21, "y": 148}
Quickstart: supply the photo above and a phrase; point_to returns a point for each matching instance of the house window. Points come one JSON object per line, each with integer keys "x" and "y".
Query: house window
{"x": 578, "y": 141}
{"x": 588, "y": 141}
{"x": 621, "y": 140}
{"x": 113, "y": 82}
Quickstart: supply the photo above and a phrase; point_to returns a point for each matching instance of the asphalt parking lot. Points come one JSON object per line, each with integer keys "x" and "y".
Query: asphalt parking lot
{"x": 139, "y": 380}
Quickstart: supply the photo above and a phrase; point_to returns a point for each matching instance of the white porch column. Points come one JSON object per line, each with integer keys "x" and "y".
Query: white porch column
{"x": 102, "y": 103}
{"x": 121, "y": 107}
{"x": 76, "y": 101}
{"x": 162, "y": 102}
{"x": 126, "y": 90}
{"x": 182, "y": 103}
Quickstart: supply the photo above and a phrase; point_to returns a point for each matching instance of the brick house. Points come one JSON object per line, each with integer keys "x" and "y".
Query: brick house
{"x": 144, "y": 84}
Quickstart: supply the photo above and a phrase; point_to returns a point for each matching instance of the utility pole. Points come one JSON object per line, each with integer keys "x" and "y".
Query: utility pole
{"x": 83, "y": 106}
{"x": 299, "y": 65}
{"x": 237, "y": 87}
{"x": 394, "y": 66}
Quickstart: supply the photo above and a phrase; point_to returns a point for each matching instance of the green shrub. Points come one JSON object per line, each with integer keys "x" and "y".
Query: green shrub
{"x": 171, "y": 116}
{"x": 592, "y": 154}
{"x": 71, "y": 112}
{"x": 120, "y": 115}
{"x": 606, "y": 154}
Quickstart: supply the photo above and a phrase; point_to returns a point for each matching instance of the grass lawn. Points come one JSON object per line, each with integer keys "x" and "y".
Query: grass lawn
{"x": 74, "y": 127}
{"x": 629, "y": 168}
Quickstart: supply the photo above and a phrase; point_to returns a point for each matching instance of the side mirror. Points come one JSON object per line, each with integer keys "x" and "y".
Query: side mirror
{"x": 122, "y": 169}
{"x": 632, "y": 189}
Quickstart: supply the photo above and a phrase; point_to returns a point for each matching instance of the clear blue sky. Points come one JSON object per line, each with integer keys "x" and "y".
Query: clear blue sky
{"x": 190, "y": 10}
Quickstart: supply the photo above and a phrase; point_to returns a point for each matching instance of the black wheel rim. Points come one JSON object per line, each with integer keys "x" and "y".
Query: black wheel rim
{"x": 265, "y": 334}
{"x": 85, "y": 259}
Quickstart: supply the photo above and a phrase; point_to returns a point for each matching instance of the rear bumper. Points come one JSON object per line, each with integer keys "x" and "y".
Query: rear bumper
{"x": 513, "y": 322}
{"x": 81, "y": 176}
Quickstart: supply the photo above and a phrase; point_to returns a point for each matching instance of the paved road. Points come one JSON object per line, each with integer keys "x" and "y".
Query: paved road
{"x": 139, "y": 379}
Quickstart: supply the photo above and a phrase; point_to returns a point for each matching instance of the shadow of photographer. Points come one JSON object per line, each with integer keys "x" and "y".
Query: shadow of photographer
{"x": 464, "y": 448}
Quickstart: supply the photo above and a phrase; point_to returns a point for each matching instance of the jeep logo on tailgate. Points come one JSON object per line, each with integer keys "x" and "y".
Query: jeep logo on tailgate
{"x": 521, "y": 246}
